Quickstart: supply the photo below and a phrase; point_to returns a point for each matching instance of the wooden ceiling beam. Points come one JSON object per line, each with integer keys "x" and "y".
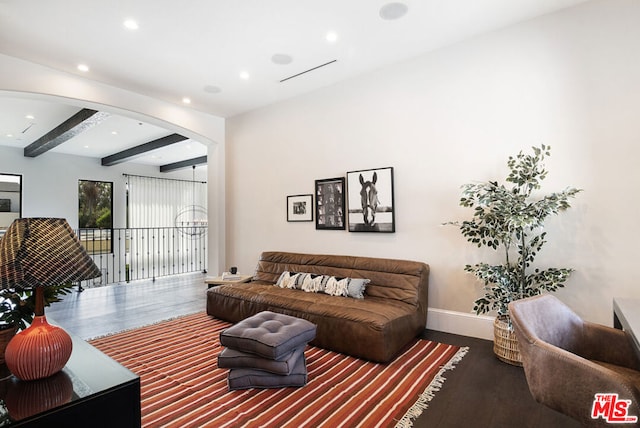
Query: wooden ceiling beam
{"x": 202, "y": 160}
{"x": 137, "y": 151}
{"x": 79, "y": 122}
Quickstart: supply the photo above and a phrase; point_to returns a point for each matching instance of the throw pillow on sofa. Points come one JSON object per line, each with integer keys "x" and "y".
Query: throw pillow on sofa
{"x": 356, "y": 287}
{"x": 347, "y": 287}
{"x": 337, "y": 286}
{"x": 289, "y": 280}
{"x": 313, "y": 283}
{"x": 318, "y": 283}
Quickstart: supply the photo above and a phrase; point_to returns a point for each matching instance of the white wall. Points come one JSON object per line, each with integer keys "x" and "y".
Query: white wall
{"x": 568, "y": 80}
{"x": 20, "y": 78}
{"x": 50, "y": 182}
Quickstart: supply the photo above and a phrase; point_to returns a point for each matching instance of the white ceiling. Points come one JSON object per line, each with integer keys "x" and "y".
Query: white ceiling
{"x": 113, "y": 135}
{"x": 198, "y": 48}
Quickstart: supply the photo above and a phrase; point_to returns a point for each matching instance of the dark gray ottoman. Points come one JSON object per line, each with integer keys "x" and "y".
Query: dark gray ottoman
{"x": 266, "y": 351}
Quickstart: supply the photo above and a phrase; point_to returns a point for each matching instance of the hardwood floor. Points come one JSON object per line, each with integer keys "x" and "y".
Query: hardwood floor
{"x": 480, "y": 392}
{"x": 104, "y": 310}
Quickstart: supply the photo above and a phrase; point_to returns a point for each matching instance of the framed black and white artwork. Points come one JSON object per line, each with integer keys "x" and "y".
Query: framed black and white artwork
{"x": 330, "y": 203}
{"x": 370, "y": 196}
{"x": 300, "y": 208}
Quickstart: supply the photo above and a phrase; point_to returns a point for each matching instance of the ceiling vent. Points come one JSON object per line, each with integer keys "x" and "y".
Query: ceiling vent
{"x": 306, "y": 71}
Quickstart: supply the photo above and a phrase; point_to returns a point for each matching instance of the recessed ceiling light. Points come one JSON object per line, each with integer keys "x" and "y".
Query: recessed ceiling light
{"x": 332, "y": 37}
{"x": 391, "y": 11}
{"x": 244, "y": 75}
{"x": 114, "y": 132}
{"x": 29, "y": 116}
{"x": 281, "y": 59}
{"x": 83, "y": 67}
{"x": 9, "y": 135}
{"x": 86, "y": 147}
{"x": 130, "y": 24}
{"x": 186, "y": 100}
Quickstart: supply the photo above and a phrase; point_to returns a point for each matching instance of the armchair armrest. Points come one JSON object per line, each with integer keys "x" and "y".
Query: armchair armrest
{"x": 609, "y": 345}
{"x": 568, "y": 383}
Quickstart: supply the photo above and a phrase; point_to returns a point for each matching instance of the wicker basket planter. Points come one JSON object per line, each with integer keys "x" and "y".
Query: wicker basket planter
{"x": 505, "y": 343}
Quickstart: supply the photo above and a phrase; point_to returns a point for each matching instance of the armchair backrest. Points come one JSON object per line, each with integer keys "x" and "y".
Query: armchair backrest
{"x": 547, "y": 319}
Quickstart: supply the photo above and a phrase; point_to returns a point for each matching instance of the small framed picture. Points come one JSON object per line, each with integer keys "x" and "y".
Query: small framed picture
{"x": 300, "y": 208}
{"x": 330, "y": 202}
{"x": 370, "y": 194}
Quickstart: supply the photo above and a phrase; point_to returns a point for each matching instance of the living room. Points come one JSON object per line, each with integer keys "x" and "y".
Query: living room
{"x": 452, "y": 117}
{"x": 442, "y": 119}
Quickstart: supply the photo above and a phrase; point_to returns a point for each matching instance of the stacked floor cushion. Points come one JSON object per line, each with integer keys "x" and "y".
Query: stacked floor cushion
{"x": 266, "y": 351}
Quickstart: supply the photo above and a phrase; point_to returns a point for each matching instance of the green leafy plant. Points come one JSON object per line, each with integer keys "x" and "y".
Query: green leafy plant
{"x": 511, "y": 220}
{"x": 17, "y": 306}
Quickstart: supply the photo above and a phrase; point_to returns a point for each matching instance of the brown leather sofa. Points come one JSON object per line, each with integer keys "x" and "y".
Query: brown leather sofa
{"x": 377, "y": 327}
{"x": 567, "y": 361}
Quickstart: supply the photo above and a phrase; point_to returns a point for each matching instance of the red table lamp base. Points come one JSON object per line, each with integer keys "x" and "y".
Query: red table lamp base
{"x": 39, "y": 351}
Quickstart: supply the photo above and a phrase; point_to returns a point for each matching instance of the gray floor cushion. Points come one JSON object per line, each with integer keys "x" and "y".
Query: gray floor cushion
{"x": 252, "y": 378}
{"x": 233, "y": 359}
{"x": 269, "y": 334}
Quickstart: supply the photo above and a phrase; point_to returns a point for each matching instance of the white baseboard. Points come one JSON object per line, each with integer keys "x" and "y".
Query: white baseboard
{"x": 461, "y": 323}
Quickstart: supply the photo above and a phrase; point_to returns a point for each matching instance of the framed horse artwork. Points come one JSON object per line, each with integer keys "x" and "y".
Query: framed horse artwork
{"x": 370, "y": 196}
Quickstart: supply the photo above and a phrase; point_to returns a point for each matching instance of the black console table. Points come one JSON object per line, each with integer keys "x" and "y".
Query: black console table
{"x": 91, "y": 391}
{"x": 626, "y": 315}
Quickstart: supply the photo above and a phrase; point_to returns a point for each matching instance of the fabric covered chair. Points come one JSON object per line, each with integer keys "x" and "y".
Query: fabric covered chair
{"x": 567, "y": 361}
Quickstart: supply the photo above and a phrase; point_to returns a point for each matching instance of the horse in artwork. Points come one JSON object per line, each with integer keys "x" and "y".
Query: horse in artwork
{"x": 369, "y": 199}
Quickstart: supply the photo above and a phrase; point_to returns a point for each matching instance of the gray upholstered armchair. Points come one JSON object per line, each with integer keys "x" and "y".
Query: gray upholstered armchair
{"x": 567, "y": 361}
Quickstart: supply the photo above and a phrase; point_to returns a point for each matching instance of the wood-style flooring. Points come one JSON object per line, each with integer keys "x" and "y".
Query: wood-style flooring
{"x": 481, "y": 392}
{"x": 99, "y": 311}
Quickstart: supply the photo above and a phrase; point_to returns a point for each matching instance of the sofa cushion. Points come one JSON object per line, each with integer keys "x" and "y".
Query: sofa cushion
{"x": 252, "y": 378}
{"x": 371, "y": 328}
{"x": 269, "y": 334}
{"x": 233, "y": 359}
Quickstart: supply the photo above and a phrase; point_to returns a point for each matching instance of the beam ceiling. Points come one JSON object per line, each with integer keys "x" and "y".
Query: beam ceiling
{"x": 136, "y": 151}
{"x": 79, "y": 122}
{"x": 202, "y": 160}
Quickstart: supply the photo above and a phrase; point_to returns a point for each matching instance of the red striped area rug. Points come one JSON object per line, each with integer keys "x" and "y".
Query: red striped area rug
{"x": 182, "y": 385}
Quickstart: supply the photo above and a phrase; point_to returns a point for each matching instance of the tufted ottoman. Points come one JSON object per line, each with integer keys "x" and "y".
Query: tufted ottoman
{"x": 266, "y": 351}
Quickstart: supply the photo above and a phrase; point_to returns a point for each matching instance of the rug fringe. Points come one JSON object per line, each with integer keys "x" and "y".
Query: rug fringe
{"x": 102, "y": 336}
{"x": 430, "y": 392}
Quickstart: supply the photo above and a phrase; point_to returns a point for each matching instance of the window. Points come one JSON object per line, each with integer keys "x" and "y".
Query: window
{"x": 10, "y": 200}
{"x": 95, "y": 218}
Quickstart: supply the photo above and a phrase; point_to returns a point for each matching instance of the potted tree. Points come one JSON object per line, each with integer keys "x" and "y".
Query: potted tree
{"x": 17, "y": 308}
{"x": 510, "y": 220}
